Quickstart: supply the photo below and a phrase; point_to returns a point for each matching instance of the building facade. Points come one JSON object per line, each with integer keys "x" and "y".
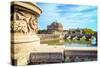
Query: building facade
{"x": 55, "y": 27}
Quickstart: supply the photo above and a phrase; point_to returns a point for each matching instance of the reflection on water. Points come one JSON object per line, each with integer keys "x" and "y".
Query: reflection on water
{"x": 69, "y": 43}
{"x": 77, "y": 43}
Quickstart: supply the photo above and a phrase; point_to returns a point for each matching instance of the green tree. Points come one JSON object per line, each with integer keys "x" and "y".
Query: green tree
{"x": 42, "y": 31}
{"x": 87, "y": 31}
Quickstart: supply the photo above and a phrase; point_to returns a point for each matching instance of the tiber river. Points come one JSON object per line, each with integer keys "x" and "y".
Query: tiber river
{"x": 70, "y": 43}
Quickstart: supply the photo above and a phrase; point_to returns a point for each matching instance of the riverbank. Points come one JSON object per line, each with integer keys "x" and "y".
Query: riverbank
{"x": 50, "y": 37}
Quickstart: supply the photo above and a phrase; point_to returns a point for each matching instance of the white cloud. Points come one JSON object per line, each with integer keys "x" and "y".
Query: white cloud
{"x": 73, "y": 17}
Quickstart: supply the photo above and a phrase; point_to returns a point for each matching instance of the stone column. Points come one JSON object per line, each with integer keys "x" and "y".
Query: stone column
{"x": 23, "y": 31}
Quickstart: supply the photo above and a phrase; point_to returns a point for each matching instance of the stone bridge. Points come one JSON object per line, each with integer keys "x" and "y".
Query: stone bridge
{"x": 25, "y": 44}
{"x": 79, "y": 36}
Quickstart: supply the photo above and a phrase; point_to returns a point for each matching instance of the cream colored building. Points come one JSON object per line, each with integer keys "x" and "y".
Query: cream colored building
{"x": 55, "y": 27}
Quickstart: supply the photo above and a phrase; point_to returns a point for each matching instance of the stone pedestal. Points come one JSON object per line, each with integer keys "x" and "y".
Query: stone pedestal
{"x": 23, "y": 31}
{"x": 22, "y": 46}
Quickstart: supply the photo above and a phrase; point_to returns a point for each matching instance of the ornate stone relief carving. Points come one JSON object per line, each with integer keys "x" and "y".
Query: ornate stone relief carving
{"x": 23, "y": 22}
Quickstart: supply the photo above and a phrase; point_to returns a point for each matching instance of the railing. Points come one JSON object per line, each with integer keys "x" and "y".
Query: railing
{"x": 80, "y": 55}
{"x": 51, "y": 57}
{"x": 75, "y": 55}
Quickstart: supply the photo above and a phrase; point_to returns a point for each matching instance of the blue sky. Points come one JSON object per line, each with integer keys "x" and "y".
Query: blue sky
{"x": 70, "y": 16}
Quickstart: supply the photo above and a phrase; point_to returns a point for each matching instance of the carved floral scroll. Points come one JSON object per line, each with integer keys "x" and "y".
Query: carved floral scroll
{"x": 23, "y": 22}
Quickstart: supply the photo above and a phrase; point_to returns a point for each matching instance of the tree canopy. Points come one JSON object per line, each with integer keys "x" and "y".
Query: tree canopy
{"x": 87, "y": 31}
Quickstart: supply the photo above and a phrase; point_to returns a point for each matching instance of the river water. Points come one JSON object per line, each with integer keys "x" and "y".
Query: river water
{"x": 70, "y": 43}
